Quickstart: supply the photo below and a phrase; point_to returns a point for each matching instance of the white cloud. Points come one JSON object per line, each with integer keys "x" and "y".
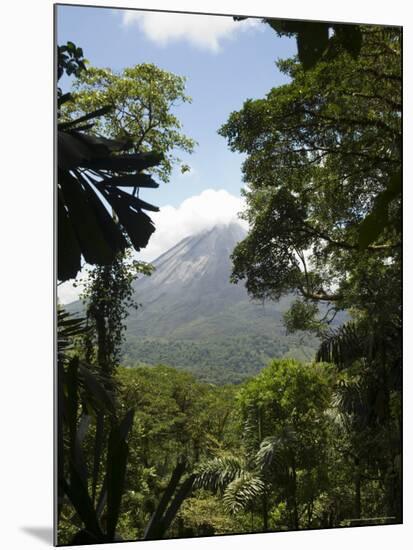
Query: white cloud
{"x": 173, "y": 224}
{"x": 191, "y": 216}
{"x": 202, "y": 31}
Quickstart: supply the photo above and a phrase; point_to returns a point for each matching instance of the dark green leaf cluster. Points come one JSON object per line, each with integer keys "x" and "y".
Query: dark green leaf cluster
{"x": 70, "y": 60}
{"x": 317, "y": 40}
{"x": 85, "y": 393}
{"x": 323, "y": 157}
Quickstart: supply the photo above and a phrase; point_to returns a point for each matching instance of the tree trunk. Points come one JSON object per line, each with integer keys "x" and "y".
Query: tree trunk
{"x": 295, "y": 508}
{"x": 357, "y": 489}
{"x": 265, "y": 512}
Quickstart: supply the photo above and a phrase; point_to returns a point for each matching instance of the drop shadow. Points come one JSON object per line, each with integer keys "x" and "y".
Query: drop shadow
{"x": 45, "y": 534}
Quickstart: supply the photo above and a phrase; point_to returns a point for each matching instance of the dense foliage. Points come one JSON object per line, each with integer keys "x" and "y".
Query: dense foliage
{"x": 274, "y": 453}
{"x": 92, "y": 430}
{"x": 220, "y": 360}
{"x": 323, "y": 174}
{"x": 148, "y": 452}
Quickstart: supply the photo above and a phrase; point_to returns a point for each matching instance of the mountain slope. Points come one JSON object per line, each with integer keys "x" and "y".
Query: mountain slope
{"x": 191, "y": 316}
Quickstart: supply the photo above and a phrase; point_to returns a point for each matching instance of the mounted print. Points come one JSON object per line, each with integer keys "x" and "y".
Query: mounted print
{"x": 228, "y": 235}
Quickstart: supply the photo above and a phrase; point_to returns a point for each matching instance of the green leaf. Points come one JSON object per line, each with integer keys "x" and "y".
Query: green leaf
{"x": 243, "y": 491}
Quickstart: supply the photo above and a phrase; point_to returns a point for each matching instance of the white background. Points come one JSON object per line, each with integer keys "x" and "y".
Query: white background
{"x": 26, "y": 382}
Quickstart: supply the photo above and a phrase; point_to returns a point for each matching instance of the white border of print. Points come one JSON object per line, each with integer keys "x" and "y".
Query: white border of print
{"x": 26, "y": 457}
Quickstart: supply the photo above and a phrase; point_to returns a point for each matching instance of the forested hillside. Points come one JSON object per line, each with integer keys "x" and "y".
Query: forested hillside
{"x": 191, "y": 316}
{"x": 221, "y": 360}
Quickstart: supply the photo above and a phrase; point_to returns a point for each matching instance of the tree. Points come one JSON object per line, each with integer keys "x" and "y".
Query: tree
{"x": 323, "y": 170}
{"x": 108, "y": 296}
{"x": 322, "y": 167}
{"x": 178, "y": 422}
{"x": 136, "y": 108}
{"x": 284, "y": 411}
{"x": 368, "y": 404}
{"x": 143, "y": 102}
{"x": 285, "y": 438}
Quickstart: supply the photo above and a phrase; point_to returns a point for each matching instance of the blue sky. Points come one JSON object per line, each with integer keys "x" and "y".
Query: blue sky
{"x": 218, "y": 82}
{"x": 225, "y": 62}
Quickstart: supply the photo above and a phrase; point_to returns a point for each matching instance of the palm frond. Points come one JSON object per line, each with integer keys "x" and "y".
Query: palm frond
{"x": 353, "y": 341}
{"x": 242, "y": 491}
{"x": 68, "y": 327}
{"x": 269, "y": 452}
{"x": 215, "y": 474}
{"x": 273, "y": 449}
{"x": 342, "y": 346}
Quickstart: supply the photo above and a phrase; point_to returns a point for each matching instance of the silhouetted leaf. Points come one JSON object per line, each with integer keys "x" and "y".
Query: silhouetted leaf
{"x": 111, "y": 230}
{"x": 125, "y": 163}
{"x": 312, "y": 42}
{"x": 64, "y": 98}
{"x": 135, "y": 180}
{"x": 85, "y": 226}
{"x": 88, "y": 232}
{"x": 377, "y": 221}
{"x": 94, "y": 387}
{"x": 79, "y": 497}
{"x": 350, "y": 37}
{"x": 68, "y": 258}
{"x": 79, "y": 459}
{"x": 95, "y": 114}
{"x": 138, "y": 225}
{"x": 72, "y": 385}
{"x": 313, "y": 38}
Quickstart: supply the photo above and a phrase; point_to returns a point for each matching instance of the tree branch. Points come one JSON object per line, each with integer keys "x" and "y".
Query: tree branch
{"x": 320, "y": 296}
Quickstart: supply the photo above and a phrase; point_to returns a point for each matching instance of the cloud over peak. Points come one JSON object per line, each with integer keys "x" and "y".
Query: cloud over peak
{"x": 203, "y": 211}
{"x": 174, "y": 223}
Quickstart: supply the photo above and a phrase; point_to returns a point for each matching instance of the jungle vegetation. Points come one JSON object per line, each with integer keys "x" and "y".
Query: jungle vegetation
{"x": 154, "y": 452}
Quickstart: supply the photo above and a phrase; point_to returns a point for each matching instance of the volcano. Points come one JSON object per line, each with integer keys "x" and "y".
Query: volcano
{"x": 191, "y": 316}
